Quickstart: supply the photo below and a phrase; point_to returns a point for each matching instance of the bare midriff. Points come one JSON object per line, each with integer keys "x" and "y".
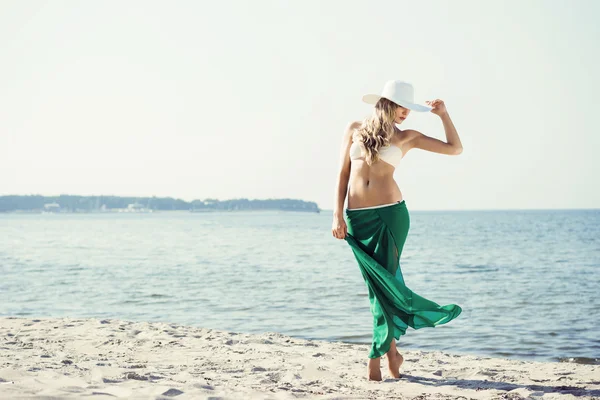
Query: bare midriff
{"x": 373, "y": 185}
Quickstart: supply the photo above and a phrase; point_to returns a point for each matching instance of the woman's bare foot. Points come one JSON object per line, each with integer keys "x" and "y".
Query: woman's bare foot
{"x": 374, "y": 370}
{"x": 394, "y": 364}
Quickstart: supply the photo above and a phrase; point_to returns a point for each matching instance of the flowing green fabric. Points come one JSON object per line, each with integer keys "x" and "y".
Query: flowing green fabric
{"x": 377, "y": 237}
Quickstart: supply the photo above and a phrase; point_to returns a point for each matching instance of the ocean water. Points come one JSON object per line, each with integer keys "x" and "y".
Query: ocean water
{"x": 528, "y": 281}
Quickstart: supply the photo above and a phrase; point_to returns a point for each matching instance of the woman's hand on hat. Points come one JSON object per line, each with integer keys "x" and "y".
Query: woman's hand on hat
{"x": 438, "y": 107}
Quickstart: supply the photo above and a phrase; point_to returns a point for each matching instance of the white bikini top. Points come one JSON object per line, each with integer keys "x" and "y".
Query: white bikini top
{"x": 390, "y": 154}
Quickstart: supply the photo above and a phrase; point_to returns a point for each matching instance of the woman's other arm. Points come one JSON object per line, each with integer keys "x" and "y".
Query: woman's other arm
{"x": 339, "y": 226}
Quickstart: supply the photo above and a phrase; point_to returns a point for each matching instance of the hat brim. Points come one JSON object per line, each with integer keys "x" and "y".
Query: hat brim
{"x": 374, "y": 98}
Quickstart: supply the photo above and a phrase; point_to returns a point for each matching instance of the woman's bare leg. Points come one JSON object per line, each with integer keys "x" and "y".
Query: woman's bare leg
{"x": 374, "y": 370}
{"x": 395, "y": 360}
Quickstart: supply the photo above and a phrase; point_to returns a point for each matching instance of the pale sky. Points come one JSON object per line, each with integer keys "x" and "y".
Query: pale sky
{"x": 231, "y": 99}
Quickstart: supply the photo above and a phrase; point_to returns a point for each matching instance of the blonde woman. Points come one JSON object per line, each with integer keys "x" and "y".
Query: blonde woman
{"x": 376, "y": 221}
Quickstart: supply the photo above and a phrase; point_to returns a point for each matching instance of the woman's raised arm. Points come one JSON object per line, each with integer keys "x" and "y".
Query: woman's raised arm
{"x": 452, "y": 146}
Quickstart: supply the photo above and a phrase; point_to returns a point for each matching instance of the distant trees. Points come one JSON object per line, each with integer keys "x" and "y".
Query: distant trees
{"x": 73, "y": 203}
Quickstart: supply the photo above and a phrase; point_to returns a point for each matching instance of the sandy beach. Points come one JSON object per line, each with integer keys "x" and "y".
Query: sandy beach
{"x": 56, "y": 358}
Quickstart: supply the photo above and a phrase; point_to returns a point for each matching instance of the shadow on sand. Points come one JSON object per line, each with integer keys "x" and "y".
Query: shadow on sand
{"x": 475, "y": 384}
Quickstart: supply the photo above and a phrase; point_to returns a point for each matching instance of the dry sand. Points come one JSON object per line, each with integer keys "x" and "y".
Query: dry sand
{"x": 61, "y": 358}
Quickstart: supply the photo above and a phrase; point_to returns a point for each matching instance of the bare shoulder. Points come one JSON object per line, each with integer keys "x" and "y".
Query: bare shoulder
{"x": 405, "y": 139}
{"x": 353, "y": 125}
{"x": 411, "y": 134}
{"x": 350, "y": 128}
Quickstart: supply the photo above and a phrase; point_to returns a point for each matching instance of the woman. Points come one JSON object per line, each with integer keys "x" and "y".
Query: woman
{"x": 377, "y": 221}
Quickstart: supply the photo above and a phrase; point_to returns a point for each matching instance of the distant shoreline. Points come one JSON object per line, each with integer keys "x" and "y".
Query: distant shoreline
{"x": 110, "y": 212}
{"x": 73, "y": 204}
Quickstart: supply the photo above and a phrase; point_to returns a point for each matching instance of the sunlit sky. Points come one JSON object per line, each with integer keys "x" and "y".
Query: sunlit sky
{"x": 249, "y": 99}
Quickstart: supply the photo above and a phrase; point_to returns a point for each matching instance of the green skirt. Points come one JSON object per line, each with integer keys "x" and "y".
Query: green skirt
{"x": 377, "y": 236}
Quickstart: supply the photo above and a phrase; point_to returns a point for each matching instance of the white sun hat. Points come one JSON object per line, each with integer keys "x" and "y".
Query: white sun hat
{"x": 400, "y": 92}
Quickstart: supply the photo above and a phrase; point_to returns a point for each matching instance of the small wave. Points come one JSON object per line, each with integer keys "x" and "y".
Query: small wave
{"x": 130, "y": 302}
{"x": 580, "y": 360}
{"x": 472, "y": 271}
{"x": 353, "y": 338}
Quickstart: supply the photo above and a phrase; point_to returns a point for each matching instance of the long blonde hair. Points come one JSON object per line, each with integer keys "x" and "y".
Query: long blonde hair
{"x": 377, "y": 130}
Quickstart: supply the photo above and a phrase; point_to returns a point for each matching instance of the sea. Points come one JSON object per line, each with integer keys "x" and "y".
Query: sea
{"x": 528, "y": 281}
